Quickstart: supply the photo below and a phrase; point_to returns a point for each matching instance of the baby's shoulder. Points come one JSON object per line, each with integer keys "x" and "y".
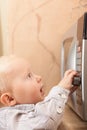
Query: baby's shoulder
{"x": 3, "y": 117}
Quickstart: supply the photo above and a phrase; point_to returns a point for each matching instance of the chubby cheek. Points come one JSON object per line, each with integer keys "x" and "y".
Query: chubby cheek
{"x": 26, "y": 92}
{"x": 35, "y": 95}
{"x": 28, "y": 95}
{"x": 19, "y": 95}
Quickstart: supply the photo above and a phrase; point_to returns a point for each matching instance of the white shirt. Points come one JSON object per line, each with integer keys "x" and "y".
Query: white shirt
{"x": 45, "y": 115}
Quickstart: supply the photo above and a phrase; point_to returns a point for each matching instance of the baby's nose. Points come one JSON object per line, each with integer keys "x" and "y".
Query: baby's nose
{"x": 38, "y": 78}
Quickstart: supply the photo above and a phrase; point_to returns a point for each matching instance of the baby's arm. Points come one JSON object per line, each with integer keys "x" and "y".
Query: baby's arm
{"x": 53, "y": 106}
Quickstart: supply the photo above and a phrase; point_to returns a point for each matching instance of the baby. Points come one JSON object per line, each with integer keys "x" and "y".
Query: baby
{"x": 22, "y": 94}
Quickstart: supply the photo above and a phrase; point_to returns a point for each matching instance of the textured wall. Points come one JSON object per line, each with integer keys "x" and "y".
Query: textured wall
{"x": 0, "y": 40}
{"x": 35, "y": 30}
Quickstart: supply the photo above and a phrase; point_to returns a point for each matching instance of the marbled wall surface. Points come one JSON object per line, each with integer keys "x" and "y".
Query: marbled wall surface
{"x": 35, "y": 29}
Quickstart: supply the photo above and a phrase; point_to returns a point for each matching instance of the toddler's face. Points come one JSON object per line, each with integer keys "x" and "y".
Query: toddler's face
{"x": 27, "y": 87}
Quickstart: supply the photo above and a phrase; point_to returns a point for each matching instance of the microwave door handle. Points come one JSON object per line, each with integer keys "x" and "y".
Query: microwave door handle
{"x": 63, "y": 54}
{"x": 62, "y": 59}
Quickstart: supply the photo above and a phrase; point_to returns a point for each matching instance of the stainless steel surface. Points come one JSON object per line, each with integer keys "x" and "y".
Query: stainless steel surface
{"x": 73, "y": 58}
{"x": 84, "y": 78}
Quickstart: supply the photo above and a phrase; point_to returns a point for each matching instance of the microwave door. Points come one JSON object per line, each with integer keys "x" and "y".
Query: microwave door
{"x": 71, "y": 58}
{"x": 84, "y": 77}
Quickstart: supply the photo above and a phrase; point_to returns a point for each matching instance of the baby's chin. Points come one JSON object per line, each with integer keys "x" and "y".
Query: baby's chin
{"x": 40, "y": 100}
{"x": 43, "y": 98}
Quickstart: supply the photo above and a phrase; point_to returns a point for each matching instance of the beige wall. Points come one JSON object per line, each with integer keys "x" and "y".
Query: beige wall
{"x": 0, "y": 33}
{"x": 0, "y": 40}
{"x": 4, "y": 24}
{"x": 34, "y": 30}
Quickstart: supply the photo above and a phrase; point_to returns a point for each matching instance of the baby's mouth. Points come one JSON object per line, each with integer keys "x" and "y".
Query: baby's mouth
{"x": 42, "y": 90}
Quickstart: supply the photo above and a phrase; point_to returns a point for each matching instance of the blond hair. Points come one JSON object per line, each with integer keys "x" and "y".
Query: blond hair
{"x": 4, "y": 80}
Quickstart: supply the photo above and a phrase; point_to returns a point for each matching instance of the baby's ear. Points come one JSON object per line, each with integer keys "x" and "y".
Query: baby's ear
{"x": 7, "y": 99}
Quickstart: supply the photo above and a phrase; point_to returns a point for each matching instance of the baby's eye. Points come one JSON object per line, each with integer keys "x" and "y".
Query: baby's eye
{"x": 29, "y": 75}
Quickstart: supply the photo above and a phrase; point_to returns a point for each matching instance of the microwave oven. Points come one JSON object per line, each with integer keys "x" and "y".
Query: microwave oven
{"x": 74, "y": 56}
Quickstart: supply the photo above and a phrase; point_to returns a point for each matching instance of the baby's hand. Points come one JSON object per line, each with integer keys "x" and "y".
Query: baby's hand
{"x": 66, "y": 82}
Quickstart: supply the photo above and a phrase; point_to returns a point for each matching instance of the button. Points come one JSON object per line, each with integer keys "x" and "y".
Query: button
{"x": 59, "y": 94}
{"x": 63, "y": 96}
{"x": 59, "y": 110}
{"x": 78, "y": 55}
